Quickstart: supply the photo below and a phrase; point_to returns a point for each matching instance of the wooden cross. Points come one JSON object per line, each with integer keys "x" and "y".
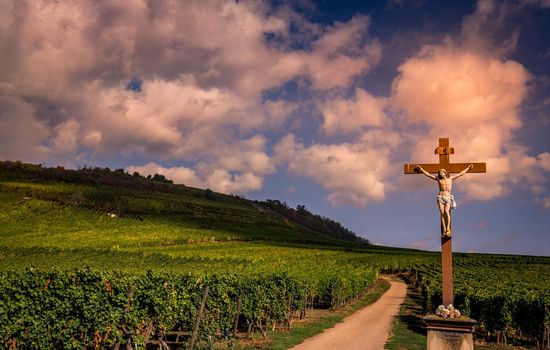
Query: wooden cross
{"x": 444, "y": 151}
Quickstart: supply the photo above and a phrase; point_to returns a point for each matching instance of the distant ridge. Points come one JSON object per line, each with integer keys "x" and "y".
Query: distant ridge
{"x": 106, "y": 193}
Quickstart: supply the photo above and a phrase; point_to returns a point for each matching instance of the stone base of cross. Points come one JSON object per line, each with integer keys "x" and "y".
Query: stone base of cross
{"x": 444, "y": 151}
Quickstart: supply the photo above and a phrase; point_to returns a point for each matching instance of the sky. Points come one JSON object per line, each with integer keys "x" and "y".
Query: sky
{"x": 318, "y": 103}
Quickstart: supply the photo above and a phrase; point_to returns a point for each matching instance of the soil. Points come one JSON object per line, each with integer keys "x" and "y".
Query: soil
{"x": 367, "y": 329}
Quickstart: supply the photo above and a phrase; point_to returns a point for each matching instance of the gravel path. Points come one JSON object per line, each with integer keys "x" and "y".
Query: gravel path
{"x": 367, "y": 329}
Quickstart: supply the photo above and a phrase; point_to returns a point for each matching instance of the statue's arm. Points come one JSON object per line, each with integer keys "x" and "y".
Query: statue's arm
{"x": 419, "y": 169}
{"x": 463, "y": 172}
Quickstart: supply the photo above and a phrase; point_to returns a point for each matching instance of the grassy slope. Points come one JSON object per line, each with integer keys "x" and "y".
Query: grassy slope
{"x": 61, "y": 225}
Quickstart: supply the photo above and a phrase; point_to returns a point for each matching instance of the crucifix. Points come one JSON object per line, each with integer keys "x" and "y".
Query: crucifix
{"x": 445, "y": 202}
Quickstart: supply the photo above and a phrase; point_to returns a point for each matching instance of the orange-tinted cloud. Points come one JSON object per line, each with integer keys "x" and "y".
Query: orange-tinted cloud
{"x": 206, "y": 68}
{"x": 219, "y": 180}
{"x": 471, "y": 98}
{"x": 348, "y": 116}
{"x": 467, "y": 90}
{"x": 203, "y": 66}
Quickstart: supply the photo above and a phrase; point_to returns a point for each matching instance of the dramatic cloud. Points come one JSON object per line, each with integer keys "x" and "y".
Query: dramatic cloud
{"x": 351, "y": 173}
{"x": 20, "y": 131}
{"x": 182, "y": 81}
{"x": 350, "y": 116}
{"x": 471, "y": 98}
{"x": 463, "y": 88}
{"x": 466, "y": 90}
{"x": 219, "y": 180}
{"x": 213, "y": 86}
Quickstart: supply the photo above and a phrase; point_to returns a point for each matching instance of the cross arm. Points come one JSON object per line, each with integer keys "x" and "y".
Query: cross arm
{"x": 458, "y": 167}
{"x": 431, "y": 168}
{"x": 452, "y": 168}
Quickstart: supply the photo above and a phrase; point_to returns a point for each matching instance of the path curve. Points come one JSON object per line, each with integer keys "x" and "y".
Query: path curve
{"x": 366, "y": 329}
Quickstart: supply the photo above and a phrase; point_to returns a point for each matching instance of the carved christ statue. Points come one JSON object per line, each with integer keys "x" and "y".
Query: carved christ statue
{"x": 445, "y": 200}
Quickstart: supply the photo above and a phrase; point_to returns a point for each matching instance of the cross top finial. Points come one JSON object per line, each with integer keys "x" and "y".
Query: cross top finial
{"x": 444, "y": 151}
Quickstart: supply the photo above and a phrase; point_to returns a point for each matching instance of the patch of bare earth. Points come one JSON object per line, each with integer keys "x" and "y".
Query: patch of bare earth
{"x": 367, "y": 329}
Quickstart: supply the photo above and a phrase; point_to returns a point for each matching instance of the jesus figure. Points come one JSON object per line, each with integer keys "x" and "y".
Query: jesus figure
{"x": 445, "y": 200}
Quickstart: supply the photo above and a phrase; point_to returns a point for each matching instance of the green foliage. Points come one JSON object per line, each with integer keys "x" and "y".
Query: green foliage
{"x": 312, "y": 221}
{"x": 508, "y": 296}
{"x": 98, "y": 309}
{"x": 409, "y": 331}
{"x": 209, "y": 194}
{"x": 133, "y": 196}
{"x": 277, "y": 260}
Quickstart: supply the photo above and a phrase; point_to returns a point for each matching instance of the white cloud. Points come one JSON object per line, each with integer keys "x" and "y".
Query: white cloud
{"x": 336, "y": 57}
{"x": 92, "y": 138}
{"x": 203, "y": 65}
{"x": 21, "y": 133}
{"x": 351, "y": 116}
{"x": 380, "y": 138}
{"x": 180, "y": 175}
{"x": 247, "y": 156}
{"x": 544, "y": 161}
{"x": 471, "y": 96}
{"x": 450, "y": 87}
{"x": 351, "y": 173}
{"x": 66, "y": 136}
{"x": 219, "y": 180}
{"x": 237, "y": 167}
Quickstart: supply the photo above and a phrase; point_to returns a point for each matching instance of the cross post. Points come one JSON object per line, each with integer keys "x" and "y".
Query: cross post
{"x": 444, "y": 152}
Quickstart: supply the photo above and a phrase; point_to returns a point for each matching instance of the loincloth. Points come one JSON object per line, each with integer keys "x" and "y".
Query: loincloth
{"x": 447, "y": 199}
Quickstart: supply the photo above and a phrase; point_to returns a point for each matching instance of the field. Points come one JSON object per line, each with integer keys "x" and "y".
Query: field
{"x": 129, "y": 260}
{"x": 509, "y": 296}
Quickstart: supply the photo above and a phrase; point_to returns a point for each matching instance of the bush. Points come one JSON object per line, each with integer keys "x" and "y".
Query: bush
{"x": 97, "y": 309}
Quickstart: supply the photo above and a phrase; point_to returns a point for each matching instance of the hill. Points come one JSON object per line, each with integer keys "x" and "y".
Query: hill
{"x": 55, "y": 218}
{"x": 134, "y": 197}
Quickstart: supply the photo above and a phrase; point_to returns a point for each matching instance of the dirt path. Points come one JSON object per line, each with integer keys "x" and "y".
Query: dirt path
{"x": 367, "y": 329}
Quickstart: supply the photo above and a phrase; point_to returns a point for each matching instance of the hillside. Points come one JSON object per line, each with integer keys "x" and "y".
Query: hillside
{"x": 135, "y": 201}
{"x": 54, "y": 218}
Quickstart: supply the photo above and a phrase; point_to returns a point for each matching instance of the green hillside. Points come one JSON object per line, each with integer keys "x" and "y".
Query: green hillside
{"x": 197, "y": 214}
{"x": 52, "y": 218}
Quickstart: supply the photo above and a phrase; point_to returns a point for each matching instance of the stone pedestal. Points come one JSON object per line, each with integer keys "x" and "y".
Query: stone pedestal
{"x": 450, "y": 334}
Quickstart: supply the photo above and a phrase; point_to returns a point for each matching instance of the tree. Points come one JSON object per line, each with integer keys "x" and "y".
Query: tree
{"x": 208, "y": 193}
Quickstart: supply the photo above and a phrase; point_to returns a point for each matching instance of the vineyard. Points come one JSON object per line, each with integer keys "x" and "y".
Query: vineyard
{"x": 101, "y": 309}
{"x": 508, "y": 296}
{"x": 111, "y": 266}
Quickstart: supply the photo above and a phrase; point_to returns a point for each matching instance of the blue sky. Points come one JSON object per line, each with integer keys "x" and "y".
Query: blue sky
{"x": 314, "y": 103}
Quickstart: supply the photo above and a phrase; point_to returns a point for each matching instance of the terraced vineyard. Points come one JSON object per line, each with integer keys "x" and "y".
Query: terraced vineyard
{"x": 99, "y": 264}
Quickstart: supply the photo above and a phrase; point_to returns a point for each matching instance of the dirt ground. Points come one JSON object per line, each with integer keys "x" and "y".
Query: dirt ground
{"x": 367, "y": 329}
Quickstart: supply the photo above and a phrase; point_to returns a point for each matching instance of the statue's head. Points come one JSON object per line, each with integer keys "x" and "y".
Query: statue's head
{"x": 442, "y": 173}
